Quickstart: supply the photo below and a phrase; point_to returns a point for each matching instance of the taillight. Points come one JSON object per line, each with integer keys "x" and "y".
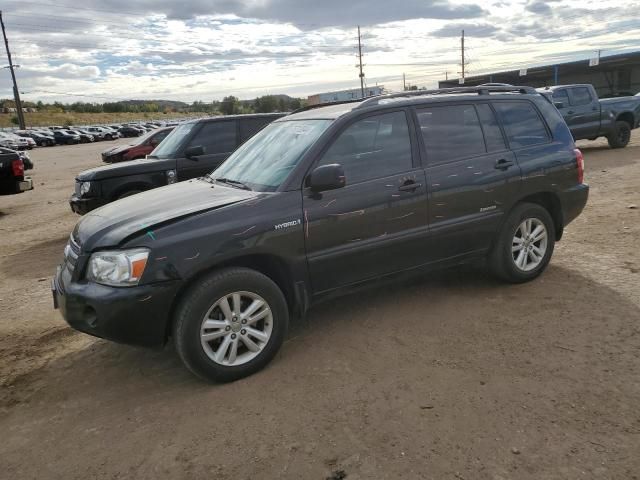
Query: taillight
{"x": 580, "y": 164}
{"x": 18, "y": 168}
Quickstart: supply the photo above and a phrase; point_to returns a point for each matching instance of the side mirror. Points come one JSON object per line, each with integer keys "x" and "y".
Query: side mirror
{"x": 193, "y": 152}
{"x": 558, "y": 105}
{"x": 327, "y": 177}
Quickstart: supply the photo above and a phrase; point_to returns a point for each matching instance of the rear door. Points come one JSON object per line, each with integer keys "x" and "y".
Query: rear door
{"x": 583, "y": 118}
{"x": 472, "y": 176}
{"x": 219, "y": 139}
{"x": 377, "y": 223}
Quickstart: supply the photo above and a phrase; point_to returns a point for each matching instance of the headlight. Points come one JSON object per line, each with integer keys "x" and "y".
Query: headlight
{"x": 118, "y": 268}
{"x": 84, "y": 188}
{"x": 171, "y": 177}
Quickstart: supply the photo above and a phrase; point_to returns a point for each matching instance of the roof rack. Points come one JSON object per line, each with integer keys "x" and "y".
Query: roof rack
{"x": 326, "y": 104}
{"x": 480, "y": 90}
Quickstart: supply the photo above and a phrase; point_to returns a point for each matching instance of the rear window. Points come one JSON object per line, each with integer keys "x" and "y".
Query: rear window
{"x": 522, "y": 124}
{"x": 451, "y": 132}
{"x": 561, "y": 96}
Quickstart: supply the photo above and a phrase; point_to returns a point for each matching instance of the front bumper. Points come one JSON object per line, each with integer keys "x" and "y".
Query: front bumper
{"x": 132, "y": 315}
{"x": 82, "y": 206}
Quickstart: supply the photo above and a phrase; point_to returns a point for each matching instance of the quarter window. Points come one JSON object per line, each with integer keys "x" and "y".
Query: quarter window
{"x": 377, "y": 146}
{"x": 492, "y": 133}
{"x": 216, "y": 137}
{"x": 451, "y": 133}
{"x": 522, "y": 124}
{"x": 581, "y": 96}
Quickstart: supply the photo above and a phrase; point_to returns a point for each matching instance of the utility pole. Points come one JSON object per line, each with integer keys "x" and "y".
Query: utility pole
{"x": 446, "y": 76}
{"x": 462, "y": 52}
{"x": 360, "y": 63}
{"x": 16, "y": 92}
{"x": 404, "y": 82}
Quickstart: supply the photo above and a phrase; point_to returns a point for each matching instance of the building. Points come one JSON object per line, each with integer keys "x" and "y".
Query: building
{"x": 610, "y": 75}
{"x": 344, "y": 95}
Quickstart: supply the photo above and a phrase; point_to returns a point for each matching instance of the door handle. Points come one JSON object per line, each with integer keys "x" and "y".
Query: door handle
{"x": 409, "y": 187}
{"x": 503, "y": 164}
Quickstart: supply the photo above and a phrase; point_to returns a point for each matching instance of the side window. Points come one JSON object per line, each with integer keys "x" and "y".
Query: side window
{"x": 561, "y": 96}
{"x": 374, "y": 147}
{"x": 522, "y": 124}
{"x": 216, "y": 137}
{"x": 492, "y": 133}
{"x": 250, "y": 126}
{"x": 450, "y": 133}
{"x": 580, "y": 96}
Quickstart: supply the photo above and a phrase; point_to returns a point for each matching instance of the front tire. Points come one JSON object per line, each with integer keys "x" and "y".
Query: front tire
{"x": 230, "y": 324}
{"x": 524, "y": 245}
{"x": 621, "y": 136}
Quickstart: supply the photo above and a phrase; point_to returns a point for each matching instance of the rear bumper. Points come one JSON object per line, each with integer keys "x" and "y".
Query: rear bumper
{"x": 133, "y": 315}
{"x": 84, "y": 205}
{"x": 573, "y": 202}
{"x": 12, "y": 187}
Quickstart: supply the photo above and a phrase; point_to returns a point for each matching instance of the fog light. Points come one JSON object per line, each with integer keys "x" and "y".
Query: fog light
{"x": 171, "y": 177}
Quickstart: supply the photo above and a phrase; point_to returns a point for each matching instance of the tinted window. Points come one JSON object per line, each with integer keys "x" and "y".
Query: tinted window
{"x": 250, "y": 126}
{"x": 522, "y": 124}
{"x": 451, "y": 132}
{"x": 581, "y": 96}
{"x": 216, "y": 137}
{"x": 374, "y": 147}
{"x": 492, "y": 133}
{"x": 561, "y": 96}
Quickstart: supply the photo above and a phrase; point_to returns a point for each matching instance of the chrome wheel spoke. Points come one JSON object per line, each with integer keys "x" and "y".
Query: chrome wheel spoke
{"x": 263, "y": 337}
{"x": 253, "y": 308}
{"x": 207, "y": 337}
{"x": 522, "y": 259}
{"x": 226, "y": 310}
{"x": 250, "y": 344}
{"x": 236, "y": 304}
{"x": 233, "y": 353}
{"x": 214, "y": 324}
{"x": 259, "y": 316}
{"x": 222, "y": 349}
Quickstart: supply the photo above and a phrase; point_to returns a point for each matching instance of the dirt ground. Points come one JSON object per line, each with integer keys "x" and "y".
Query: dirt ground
{"x": 453, "y": 376}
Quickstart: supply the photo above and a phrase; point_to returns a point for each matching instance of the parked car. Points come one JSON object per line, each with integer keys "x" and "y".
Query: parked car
{"x": 320, "y": 203}
{"x": 127, "y": 131}
{"x": 139, "y": 149}
{"x": 85, "y": 137}
{"x": 24, "y": 156}
{"x": 191, "y": 150}
{"x": 12, "y": 177}
{"x": 62, "y": 137}
{"x": 15, "y": 142}
{"x": 40, "y": 139}
{"x": 589, "y": 118}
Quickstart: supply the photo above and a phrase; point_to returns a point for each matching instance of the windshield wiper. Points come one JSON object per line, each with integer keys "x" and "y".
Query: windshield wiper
{"x": 233, "y": 183}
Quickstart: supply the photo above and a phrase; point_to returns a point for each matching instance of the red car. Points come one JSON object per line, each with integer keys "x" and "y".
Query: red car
{"x": 143, "y": 147}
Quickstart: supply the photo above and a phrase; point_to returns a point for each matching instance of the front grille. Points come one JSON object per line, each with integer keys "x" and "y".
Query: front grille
{"x": 71, "y": 253}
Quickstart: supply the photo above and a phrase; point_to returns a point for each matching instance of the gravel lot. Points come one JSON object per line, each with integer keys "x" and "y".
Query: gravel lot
{"x": 453, "y": 376}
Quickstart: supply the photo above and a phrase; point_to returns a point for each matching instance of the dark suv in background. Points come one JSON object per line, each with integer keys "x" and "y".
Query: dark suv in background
{"x": 191, "y": 150}
{"x": 320, "y": 203}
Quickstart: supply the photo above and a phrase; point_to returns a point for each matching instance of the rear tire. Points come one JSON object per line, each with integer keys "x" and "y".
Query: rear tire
{"x": 621, "y": 136}
{"x": 524, "y": 245}
{"x": 223, "y": 347}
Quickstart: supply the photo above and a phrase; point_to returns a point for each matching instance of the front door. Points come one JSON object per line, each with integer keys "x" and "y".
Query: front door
{"x": 219, "y": 139}
{"x": 472, "y": 177}
{"x": 377, "y": 223}
{"x": 584, "y": 115}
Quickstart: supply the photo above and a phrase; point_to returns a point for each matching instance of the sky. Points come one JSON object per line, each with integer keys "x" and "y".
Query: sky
{"x": 109, "y": 50}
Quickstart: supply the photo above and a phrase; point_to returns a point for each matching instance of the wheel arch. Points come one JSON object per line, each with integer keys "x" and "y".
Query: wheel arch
{"x": 626, "y": 117}
{"x": 272, "y": 266}
{"x": 551, "y": 203}
{"x": 141, "y": 186}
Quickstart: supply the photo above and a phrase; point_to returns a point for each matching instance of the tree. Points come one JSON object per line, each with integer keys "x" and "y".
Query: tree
{"x": 15, "y": 120}
{"x": 230, "y": 105}
{"x": 266, "y": 104}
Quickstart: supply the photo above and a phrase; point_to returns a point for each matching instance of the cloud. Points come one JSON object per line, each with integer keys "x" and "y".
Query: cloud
{"x": 540, "y": 7}
{"x": 477, "y": 30}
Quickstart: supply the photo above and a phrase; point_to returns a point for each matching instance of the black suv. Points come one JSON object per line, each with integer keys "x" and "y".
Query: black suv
{"x": 191, "y": 150}
{"x": 320, "y": 202}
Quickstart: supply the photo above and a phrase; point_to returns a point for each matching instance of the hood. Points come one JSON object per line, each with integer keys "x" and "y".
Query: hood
{"x": 118, "y": 149}
{"x": 128, "y": 168}
{"x": 108, "y": 226}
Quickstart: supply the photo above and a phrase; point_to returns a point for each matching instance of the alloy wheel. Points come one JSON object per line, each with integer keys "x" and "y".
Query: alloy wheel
{"x": 529, "y": 244}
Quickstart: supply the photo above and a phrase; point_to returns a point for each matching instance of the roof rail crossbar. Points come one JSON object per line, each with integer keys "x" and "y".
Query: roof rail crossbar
{"x": 480, "y": 90}
{"x": 326, "y": 104}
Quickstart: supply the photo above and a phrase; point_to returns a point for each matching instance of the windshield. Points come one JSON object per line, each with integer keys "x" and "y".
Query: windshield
{"x": 265, "y": 161}
{"x": 169, "y": 146}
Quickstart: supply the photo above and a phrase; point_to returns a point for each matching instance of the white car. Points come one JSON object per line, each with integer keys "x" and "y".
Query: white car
{"x": 10, "y": 140}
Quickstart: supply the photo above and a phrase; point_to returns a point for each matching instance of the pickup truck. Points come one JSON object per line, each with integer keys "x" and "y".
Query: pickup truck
{"x": 589, "y": 117}
{"x": 12, "y": 178}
